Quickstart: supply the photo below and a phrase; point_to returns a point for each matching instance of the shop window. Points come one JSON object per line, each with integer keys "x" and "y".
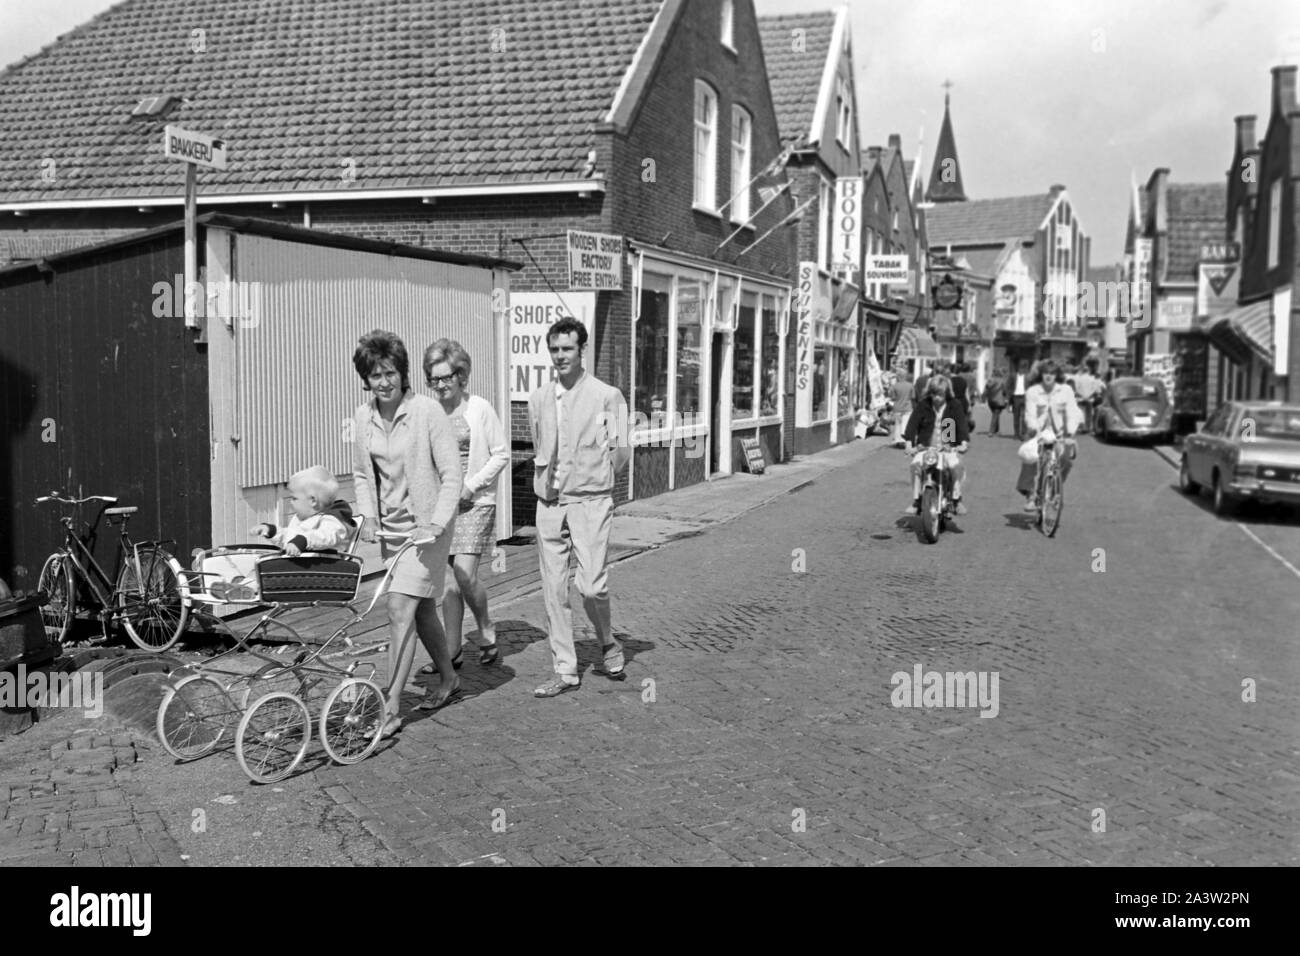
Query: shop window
{"x": 652, "y": 350}
{"x": 744, "y": 365}
{"x": 771, "y": 357}
{"x": 689, "y": 347}
{"x": 706, "y": 147}
{"x": 821, "y": 396}
{"x": 845, "y": 383}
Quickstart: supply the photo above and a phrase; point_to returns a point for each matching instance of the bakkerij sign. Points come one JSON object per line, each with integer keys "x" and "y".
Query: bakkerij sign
{"x": 595, "y": 262}
{"x": 194, "y": 148}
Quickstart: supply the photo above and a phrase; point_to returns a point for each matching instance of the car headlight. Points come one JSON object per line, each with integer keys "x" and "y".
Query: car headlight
{"x": 1267, "y": 471}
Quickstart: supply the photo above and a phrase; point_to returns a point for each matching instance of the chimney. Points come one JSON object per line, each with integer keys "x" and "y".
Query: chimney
{"x": 1252, "y": 156}
{"x": 895, "y": 142}
{"x": 1158, "y": 198}
{"x": 1056, "y": 190}
{"x": 1284, "y": 89}
{"x": 1245, "y": 133}
{"x": 873, "y": 153}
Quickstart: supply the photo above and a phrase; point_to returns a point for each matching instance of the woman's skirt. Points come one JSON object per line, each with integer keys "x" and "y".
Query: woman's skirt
{"x": 475, "y": 529}
{"x": 419, "y": 572}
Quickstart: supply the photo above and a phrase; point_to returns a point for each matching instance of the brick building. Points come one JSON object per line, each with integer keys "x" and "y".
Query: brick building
{"x": 488, "y": 129}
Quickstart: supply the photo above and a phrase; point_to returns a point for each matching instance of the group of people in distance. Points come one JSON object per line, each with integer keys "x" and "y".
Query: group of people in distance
{"x": 937, "y": 412}
{"x": 427, "y": 468}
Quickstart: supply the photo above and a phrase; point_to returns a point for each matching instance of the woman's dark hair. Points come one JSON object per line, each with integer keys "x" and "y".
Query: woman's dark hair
{"x": 1049, "y": 366}
{"x": 567, "y": 326}
{"x": 379, "y": 347}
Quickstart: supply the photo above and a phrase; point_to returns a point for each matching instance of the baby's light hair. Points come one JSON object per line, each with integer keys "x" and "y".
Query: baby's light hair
{"x": 317, "y": 481}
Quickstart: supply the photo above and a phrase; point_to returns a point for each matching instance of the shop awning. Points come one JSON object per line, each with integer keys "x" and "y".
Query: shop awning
{"x": 1248, "y": 327}
{"x": 916, "y": 343}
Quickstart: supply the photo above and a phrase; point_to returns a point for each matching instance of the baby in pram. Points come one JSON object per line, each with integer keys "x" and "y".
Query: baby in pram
{"x": 320, "y": 522}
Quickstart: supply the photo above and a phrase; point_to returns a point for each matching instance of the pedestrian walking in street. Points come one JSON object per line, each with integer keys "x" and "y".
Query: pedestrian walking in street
{"x": 961, "y": 391}
{"x": 902, "y": 395}
{"x": 995, "y": 396}
{"x": 1087, "y": 390}
{"x": 1017, "y": 386}
{"x": 972, "y": 393}
{"x": 408, "y": 480}
{"x": 484, "y": 453}
{"x": 579, "y": 428}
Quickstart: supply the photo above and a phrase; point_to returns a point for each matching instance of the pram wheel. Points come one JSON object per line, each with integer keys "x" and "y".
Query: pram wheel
{"x": 194, "y": 716}
{"x": 272, "y": 678}
{"x": 351, "y": 720}
{"x": 272, "y": 737}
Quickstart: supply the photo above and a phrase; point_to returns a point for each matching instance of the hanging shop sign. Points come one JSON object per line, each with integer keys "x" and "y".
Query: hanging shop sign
{"x": 890, "y": 270}
{"x": 848, "y": 224}
{"x": 595, "y": 262}
{"x": 946, "y": 294}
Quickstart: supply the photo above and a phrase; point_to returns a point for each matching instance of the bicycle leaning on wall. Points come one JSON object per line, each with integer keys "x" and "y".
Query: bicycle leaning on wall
{"x": 148, "y": 596}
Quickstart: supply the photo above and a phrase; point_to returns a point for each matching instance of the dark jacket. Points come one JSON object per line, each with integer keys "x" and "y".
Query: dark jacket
{"x": 995, "y": 393}
{"x": 920, "y": 427}
{"x": 960, "y": 389}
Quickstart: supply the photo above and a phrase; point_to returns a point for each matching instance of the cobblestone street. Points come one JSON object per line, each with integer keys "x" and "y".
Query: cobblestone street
{"x": 756, "y": 725}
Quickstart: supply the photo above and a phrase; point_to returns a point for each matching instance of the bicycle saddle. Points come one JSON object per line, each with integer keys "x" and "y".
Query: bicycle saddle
{"x": 120, "y": 512}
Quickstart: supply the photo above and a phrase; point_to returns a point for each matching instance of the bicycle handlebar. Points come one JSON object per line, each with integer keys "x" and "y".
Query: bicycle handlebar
{"x": 54, "y": 496}
{"x": 396, "y": 536}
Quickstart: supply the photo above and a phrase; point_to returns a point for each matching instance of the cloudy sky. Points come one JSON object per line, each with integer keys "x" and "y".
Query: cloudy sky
{"x": 1080, "y": 92}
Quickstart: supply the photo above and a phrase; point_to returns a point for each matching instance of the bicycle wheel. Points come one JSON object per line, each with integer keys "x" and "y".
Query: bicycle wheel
{"x": 272, "y": 737}
{"x": 154, "y": 604}
{"x": 1053, "y": 501}
{"x": 351, "y": 720}
{"x": 930, "y": 514}
{"x": 61, "y": 595}
{"x": 194, "y": 716}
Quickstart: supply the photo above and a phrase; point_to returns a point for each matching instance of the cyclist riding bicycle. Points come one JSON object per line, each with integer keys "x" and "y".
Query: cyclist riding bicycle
{"x": 937, "y": 422}
{"x": 1050, "y": 410}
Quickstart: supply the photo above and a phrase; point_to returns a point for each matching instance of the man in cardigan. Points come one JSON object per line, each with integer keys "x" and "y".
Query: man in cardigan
{"x": 579, "y": 427}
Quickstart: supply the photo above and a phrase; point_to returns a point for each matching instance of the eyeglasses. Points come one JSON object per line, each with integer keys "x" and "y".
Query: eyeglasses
{"x": 442, "y": 379}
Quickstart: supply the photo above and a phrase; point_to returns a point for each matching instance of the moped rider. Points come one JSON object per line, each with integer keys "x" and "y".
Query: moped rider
{"x": 937, "y": 422}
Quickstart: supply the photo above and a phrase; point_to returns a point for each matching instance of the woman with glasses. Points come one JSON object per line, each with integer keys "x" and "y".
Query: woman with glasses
{"x": 484, "y": 453}
{"x": 408, "y": 480}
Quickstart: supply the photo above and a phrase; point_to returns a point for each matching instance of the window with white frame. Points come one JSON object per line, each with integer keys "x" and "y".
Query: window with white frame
{"x": 669, "y": 349}
{"x": 742, "y": 133}
{"x": 728, "y": 24}
{"x": 755, "y": 368}
{"x": 1274, "y": 222}
{"x": 844, "y": 108}
{"x": 825, "y": 214}
{"x": 706, "y": 146}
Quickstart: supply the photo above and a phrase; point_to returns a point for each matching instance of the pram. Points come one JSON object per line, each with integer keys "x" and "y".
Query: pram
{"x": 269, "y": 704}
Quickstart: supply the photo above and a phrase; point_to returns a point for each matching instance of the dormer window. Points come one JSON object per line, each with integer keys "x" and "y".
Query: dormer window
{"x": 728, "y": 24}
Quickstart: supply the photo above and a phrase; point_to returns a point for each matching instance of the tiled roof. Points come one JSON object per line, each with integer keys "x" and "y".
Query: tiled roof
{"x": 989, "y": 260}
{"x": 1196, "y": 215}
{"x": 410, "y": 91}
{"x": 796, "y": 75}
{"x": 986, "y": 221}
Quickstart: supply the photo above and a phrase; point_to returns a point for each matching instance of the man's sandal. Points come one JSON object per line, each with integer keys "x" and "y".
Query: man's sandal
{"x": 614, "y": 662}
{"x": 555, "y": 687}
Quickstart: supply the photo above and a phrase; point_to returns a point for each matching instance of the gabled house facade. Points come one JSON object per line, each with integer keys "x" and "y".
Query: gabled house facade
{"x": 810, "y": 61}
{"x": 1257, "y": 341}
{"x": 379, "y": 122}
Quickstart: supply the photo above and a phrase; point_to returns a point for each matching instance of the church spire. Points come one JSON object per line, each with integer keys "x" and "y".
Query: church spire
{"x": 945, "y": 176}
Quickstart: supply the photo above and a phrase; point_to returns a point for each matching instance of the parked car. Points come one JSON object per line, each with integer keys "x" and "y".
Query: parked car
{"x": 1135, "y": 408}
{"x": 1246, "y": 451}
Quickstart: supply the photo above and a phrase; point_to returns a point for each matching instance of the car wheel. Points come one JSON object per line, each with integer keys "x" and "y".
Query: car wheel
{"x": 1185, "y": 483}
{"x": 1223, "y": 502}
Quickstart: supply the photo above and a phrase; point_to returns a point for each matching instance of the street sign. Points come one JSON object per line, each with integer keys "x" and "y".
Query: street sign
{"x": 194, "y": 148}
{"x": 595, "y": 262}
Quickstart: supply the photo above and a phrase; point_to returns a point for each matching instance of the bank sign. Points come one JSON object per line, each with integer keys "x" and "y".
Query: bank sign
{"x": 595, "y": 262}
{"x": 194, "y": 148}
{"x": 531, "y": 314}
